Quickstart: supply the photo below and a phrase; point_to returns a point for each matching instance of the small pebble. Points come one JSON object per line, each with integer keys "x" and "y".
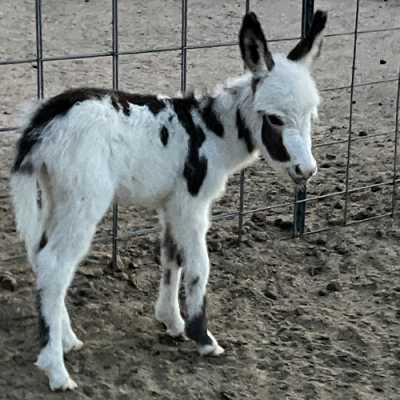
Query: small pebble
{"x": 333, "y": 287}
{"x": 338, "y": 205}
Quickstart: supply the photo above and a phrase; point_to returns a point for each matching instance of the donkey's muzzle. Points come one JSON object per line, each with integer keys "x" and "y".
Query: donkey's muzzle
{"x": 300, "y": 174}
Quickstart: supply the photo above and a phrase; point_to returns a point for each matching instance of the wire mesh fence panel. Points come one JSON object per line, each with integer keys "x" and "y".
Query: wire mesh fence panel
{"x": 358, "y": 74}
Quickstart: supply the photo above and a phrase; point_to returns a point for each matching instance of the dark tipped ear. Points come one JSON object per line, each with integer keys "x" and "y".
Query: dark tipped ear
{"x": 308, "y": 49}
{"x": 253, "y": 45}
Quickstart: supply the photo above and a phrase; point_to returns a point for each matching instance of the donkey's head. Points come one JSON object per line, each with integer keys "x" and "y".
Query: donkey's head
{"x": 285, "y": 96}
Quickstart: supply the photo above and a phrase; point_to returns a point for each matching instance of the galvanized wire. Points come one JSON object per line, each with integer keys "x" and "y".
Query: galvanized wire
{"x": 184, "y": 47}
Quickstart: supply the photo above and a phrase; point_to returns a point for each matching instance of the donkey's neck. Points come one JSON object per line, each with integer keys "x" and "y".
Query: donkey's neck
{"x": 234, "y": 106}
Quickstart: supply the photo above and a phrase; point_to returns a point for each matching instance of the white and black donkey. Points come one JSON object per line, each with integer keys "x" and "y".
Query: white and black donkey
{"x": 86, "y": 147}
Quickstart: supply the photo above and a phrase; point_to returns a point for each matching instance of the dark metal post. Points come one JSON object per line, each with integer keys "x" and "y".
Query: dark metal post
{"x": 350, "y": 133}
{"x": 184, "y": 46}
{"x": 299, "y": 215}
{"x": 242, "y": 178}
{"x": 39, "y": 49}
{"x": 396, "y": 136}
{"x": 115, "y": 70}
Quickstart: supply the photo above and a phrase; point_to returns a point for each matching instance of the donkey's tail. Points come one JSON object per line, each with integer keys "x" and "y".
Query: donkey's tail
{"x": 24, "y": 195}
{"x": 32, "y": 208}
{"x": 29, "y": 182}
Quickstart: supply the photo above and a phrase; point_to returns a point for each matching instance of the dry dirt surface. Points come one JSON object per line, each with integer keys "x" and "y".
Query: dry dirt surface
{"x": 312, "y": 318}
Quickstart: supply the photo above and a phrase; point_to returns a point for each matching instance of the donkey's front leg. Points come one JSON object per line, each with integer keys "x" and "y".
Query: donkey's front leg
{"x": 167, "y": 306}
{"x": 187, "y": 224}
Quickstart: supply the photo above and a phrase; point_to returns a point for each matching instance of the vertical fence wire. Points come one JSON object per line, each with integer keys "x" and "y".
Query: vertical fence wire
{"x": 350, "y": 133}
{"x": 39, "y": 49}
{"x": 299, "y": 212}
{"x": 396, "y": 136}
{"x": 115, "y": 84}
{"x": 242, "y": 175}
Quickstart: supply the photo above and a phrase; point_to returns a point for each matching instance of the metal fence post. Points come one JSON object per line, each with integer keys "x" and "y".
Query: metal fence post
{"x": 184, "y": 10}
{"x": 299, "y": 215}
{"x": 242, "y": 176}
{"x": 39, "y": 49}
{"x": 350, "y": 132}
{"x": 396, "y": 136}
{"x": 115, "y": 79}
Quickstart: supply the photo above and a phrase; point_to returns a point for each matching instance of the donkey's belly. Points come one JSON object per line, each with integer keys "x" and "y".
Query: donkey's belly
{"x": 151, "y": 194}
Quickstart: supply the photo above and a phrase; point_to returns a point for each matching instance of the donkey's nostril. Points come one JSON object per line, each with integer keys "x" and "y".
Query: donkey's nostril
{"x": 304, "y": 172}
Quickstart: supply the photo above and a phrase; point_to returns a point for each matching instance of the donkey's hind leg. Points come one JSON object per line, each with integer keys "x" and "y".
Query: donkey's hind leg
{"x": 56, "y": 264}
{"x": 70, "y": 233}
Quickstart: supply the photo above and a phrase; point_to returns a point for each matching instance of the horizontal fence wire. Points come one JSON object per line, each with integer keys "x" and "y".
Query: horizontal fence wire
{"x": 184, "y": 47}
{"x": 198, "y": 46}
{"x": 148, "y": 231}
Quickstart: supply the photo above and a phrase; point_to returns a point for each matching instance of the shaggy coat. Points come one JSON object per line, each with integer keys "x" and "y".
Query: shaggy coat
{"x": 87, "y": 147}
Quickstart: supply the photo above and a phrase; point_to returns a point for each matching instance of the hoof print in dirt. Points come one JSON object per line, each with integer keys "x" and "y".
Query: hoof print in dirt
{"x": 171, "y": 340}
{"x": 8, "y": 282}
{"x": 271, "y": 295}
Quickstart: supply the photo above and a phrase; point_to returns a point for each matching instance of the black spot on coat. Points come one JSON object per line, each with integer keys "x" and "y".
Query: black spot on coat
{"x": 59, "y": 105}
{"x": 43, "y": 327}
{"x": 43, "y": 241}
{"x": 272, "y": 139}
{"x": 167, "y": 277}
{"x": 195, "y": 168}
{"x": 179, "y": 258}
{"x": 155, "y": 105}
{"x": 254, "y": 83}
{"x": 196, "y": 327}
{"x": 193, "y": 283}
{"x": 244, "y": 132}
{"x": 164, "y": 134}
{"x": 210, "y": 118}
{"x": 172, "y": 251}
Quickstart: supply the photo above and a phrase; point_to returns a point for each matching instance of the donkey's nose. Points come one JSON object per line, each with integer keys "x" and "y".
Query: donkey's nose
{"x": 305, "y": 172}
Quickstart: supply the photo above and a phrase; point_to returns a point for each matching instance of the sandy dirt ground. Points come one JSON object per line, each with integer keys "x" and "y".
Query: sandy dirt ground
{"x": 312, "y": 318}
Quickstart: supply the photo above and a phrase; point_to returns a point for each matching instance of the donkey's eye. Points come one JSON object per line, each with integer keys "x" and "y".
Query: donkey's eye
{"x": 275, "y": 120}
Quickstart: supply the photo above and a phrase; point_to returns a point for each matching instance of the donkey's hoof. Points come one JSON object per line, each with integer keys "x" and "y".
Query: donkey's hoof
{"x": 59, "y": 378}
{"x": 212, "y": 350}
{"x": 174, "y": 324}
{"x": 69, "y": 384}
{"x": 72, "y": 346}
{"x": 176, "y": 330}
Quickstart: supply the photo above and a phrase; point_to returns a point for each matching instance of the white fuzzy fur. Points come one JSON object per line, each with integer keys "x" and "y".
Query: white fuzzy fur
{"x": 95, "y": 154}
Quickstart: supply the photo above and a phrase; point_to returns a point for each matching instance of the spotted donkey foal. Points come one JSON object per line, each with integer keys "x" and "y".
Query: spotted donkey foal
{"x": 86, "y": 147}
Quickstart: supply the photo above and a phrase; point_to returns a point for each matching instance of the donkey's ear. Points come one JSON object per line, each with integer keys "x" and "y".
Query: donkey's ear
{"x": 253, "y": 45}
{"x": 308, "y": 49}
